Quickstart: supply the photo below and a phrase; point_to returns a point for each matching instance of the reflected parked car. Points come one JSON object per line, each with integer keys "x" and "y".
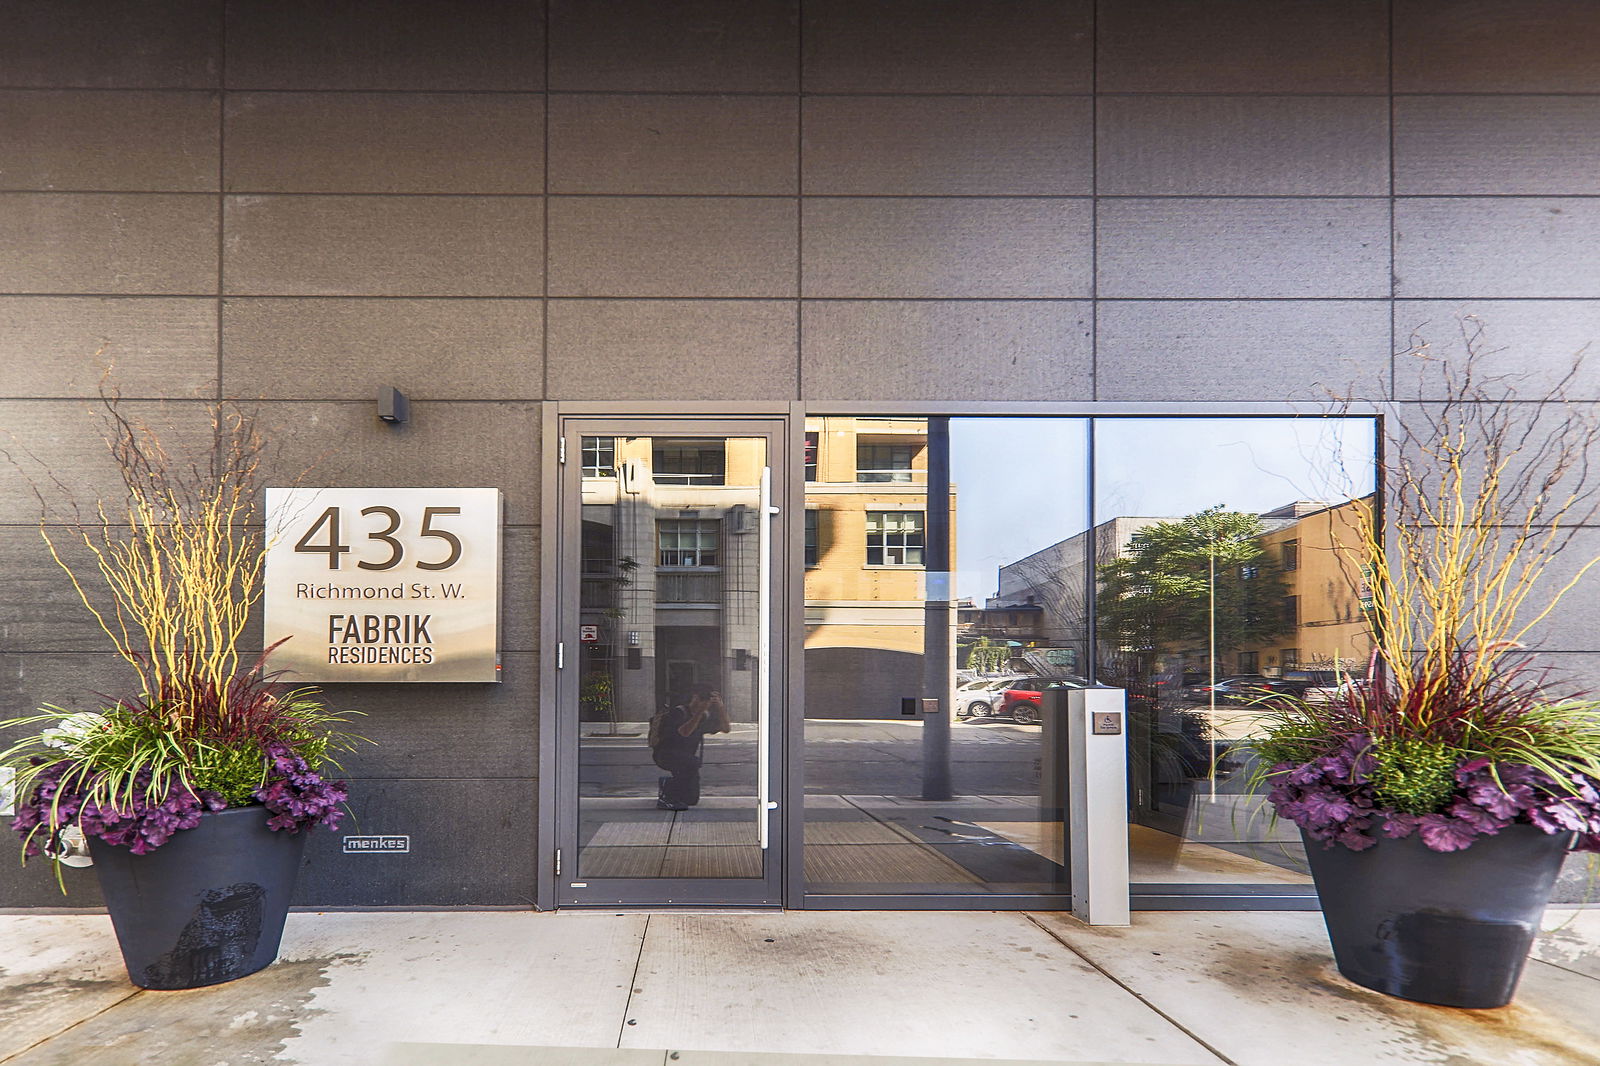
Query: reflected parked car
{"x": 977, "y": 699}
{"x": 1238, "y": 688}
{"x": 1021, "y": 702}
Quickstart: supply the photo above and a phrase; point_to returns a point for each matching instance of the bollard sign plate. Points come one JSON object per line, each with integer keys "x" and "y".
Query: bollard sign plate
{"x": 383, "y": 584}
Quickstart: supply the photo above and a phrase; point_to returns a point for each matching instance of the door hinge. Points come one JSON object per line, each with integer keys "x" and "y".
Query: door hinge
{"x": 558, "y": 862}
{"x": 561, "y": 655}
{"x": 561, "y": 450}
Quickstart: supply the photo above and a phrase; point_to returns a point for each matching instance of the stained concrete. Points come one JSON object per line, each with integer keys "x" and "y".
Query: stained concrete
{"x": 792, "y": 988}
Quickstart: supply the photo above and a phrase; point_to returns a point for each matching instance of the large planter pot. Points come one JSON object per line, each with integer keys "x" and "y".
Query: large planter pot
{"x": 205, "y": 907}
{"x": 1450, "y": 928}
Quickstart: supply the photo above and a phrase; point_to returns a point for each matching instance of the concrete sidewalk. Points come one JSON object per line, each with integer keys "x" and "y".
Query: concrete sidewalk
{"x": 777, "y": 989}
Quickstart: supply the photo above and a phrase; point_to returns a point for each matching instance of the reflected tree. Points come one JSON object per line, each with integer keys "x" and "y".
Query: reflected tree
{"x": 1176, "y": 579}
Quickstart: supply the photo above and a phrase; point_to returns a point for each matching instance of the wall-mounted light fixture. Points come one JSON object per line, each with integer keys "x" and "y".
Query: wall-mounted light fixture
{"x": 393, "y": 406}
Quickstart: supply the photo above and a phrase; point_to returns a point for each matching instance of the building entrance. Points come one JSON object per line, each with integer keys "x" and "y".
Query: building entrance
{"x": 670, "y": 661}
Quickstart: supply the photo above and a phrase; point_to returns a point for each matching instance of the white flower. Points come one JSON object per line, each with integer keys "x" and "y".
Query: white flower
{"x": 73, "y": 729}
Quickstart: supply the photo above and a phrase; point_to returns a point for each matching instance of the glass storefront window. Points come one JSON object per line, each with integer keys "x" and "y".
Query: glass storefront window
{"x": 984, "y": 564}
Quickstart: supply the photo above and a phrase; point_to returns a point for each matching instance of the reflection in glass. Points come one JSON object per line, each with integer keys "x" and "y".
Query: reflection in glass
{"x": 1226, "y": 577}
{"x": 669, "y": 612}
{"x": 907, "y": 523}
{"x": 955, "y": 559}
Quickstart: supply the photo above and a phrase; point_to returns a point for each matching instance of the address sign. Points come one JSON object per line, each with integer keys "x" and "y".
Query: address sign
{"x": 384, "y": 584}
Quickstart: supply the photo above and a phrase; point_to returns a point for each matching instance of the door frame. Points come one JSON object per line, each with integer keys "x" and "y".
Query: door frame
{"x": 557, "y": 772}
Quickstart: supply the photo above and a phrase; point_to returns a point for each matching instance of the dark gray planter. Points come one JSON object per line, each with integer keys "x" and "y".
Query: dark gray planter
{"x": 1450, "y": 928}
{"x": 208, "y": 905}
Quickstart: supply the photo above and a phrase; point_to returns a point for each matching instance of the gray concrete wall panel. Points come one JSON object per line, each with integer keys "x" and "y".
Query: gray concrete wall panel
{"x": 642, "y": 349}
{"x": 474, "y": 445}
{"x": 986, "y": 46}
{"x": 1222, "y": 46}
{"x": 1267, "y": 248}
{"x": 948, "y": 146}
{"x": 1478, "y": 248}
{"x": 108, "y": 141}
{"x": 57, "y": 346}
{"x": 686, "y": 47}
{"x": 1483, "y": 46}
{"x": 1497, "y": 145}
{"x": 694, "y": 145}
{"x": 108, "y": 243}
{"x": 111, "y": 44}
{"x": 1175, "y": 350}
{"x": 947, "y": 350}
{"x": 962, "y": 248}
{"x": 57, "y": 447}
{"x": 672, "y": 246}
{"x": 1537, "y": 338}
{"x": 344, "y": 349}
{"x": 385, "y": 142}
{"x": 488, "y": 863}
{"x": 493, "y": 45}
{"x": 384, "y": 246}
{"x": 1243, "y": 145}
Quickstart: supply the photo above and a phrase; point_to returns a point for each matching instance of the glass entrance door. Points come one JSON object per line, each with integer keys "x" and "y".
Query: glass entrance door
{"x": 669, "y": 662}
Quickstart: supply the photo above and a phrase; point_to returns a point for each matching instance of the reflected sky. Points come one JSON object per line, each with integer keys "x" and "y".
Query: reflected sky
{"x": 1021, "y": 481}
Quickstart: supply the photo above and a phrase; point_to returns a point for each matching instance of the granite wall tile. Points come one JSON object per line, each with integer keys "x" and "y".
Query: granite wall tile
{"x": 970, "y": 248}
{"x": 111, "y": 44}
{"x": 982, "y": 46}
{"x": 1180, "y": 350}
{"x": 1481, "y": 46}
{"x": 672, "y": 246}
{"x": 1243, "y": 145}
{"x": 1477, "y": 248}
{"x": 333, "y": 348}
{"x": 108, "y": 243}
{"x": 399, "y": 44}
{"x": 1465, "y": 145}
{"x": 690, "y": 46}
{"x": 1537, "y": 342}
{"x": 948, "y": 145}
{"x": 58, "y": 448}
{"x": 385, "y": 142}
{"x": 1244, "y": 248}
{"x": 55, "y": 346}
{"x": 1221, "y": 46}
{"x": 341, "y": 444}
{"x": 672, "y": 349}
{"x": 108, "y": 141}
{"x": 932, "y": 350}
{"x": 462, "y": 731}
{"x": 383, "y": 246}
{"x": 707, "y": 145}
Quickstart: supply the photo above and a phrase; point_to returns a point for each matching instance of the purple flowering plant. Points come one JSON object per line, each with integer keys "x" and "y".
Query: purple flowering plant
{"x": 143, "y": 770}
{"x": 1460, "y": 759}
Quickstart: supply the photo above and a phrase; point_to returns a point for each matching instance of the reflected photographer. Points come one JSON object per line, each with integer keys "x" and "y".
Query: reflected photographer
{"x": 677, "y": 737}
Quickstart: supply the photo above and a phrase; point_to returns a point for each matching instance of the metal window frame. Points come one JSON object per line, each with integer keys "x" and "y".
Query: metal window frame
{"x": 1145, "y": 896}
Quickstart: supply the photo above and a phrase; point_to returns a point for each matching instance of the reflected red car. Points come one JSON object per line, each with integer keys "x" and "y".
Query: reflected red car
{"x": 1021, "y": 702}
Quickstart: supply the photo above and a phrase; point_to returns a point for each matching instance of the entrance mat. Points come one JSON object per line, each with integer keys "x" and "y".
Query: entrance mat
{"x": 508, "y": 1055}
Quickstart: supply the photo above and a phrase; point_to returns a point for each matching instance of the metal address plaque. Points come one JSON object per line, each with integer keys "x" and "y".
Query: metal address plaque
{"x": 384, "y": 584}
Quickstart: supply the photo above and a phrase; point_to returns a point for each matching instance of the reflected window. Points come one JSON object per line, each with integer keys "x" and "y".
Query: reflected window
{"x": 812, "y": 516}
{"x": 881, "y": 463}
{"x": 599, "y": 457}
{"x": 689, "y": 462}
{"x": 687, "y": 541}
{"x": 894, "y": 538}
{"x": 812, "y": 442}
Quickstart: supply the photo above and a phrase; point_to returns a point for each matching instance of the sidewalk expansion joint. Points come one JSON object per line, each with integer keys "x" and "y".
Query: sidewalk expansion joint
{"x": 633, "y": 982}
{"x": 64, "y": 1031}
{"x": 1109, "y": 976}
